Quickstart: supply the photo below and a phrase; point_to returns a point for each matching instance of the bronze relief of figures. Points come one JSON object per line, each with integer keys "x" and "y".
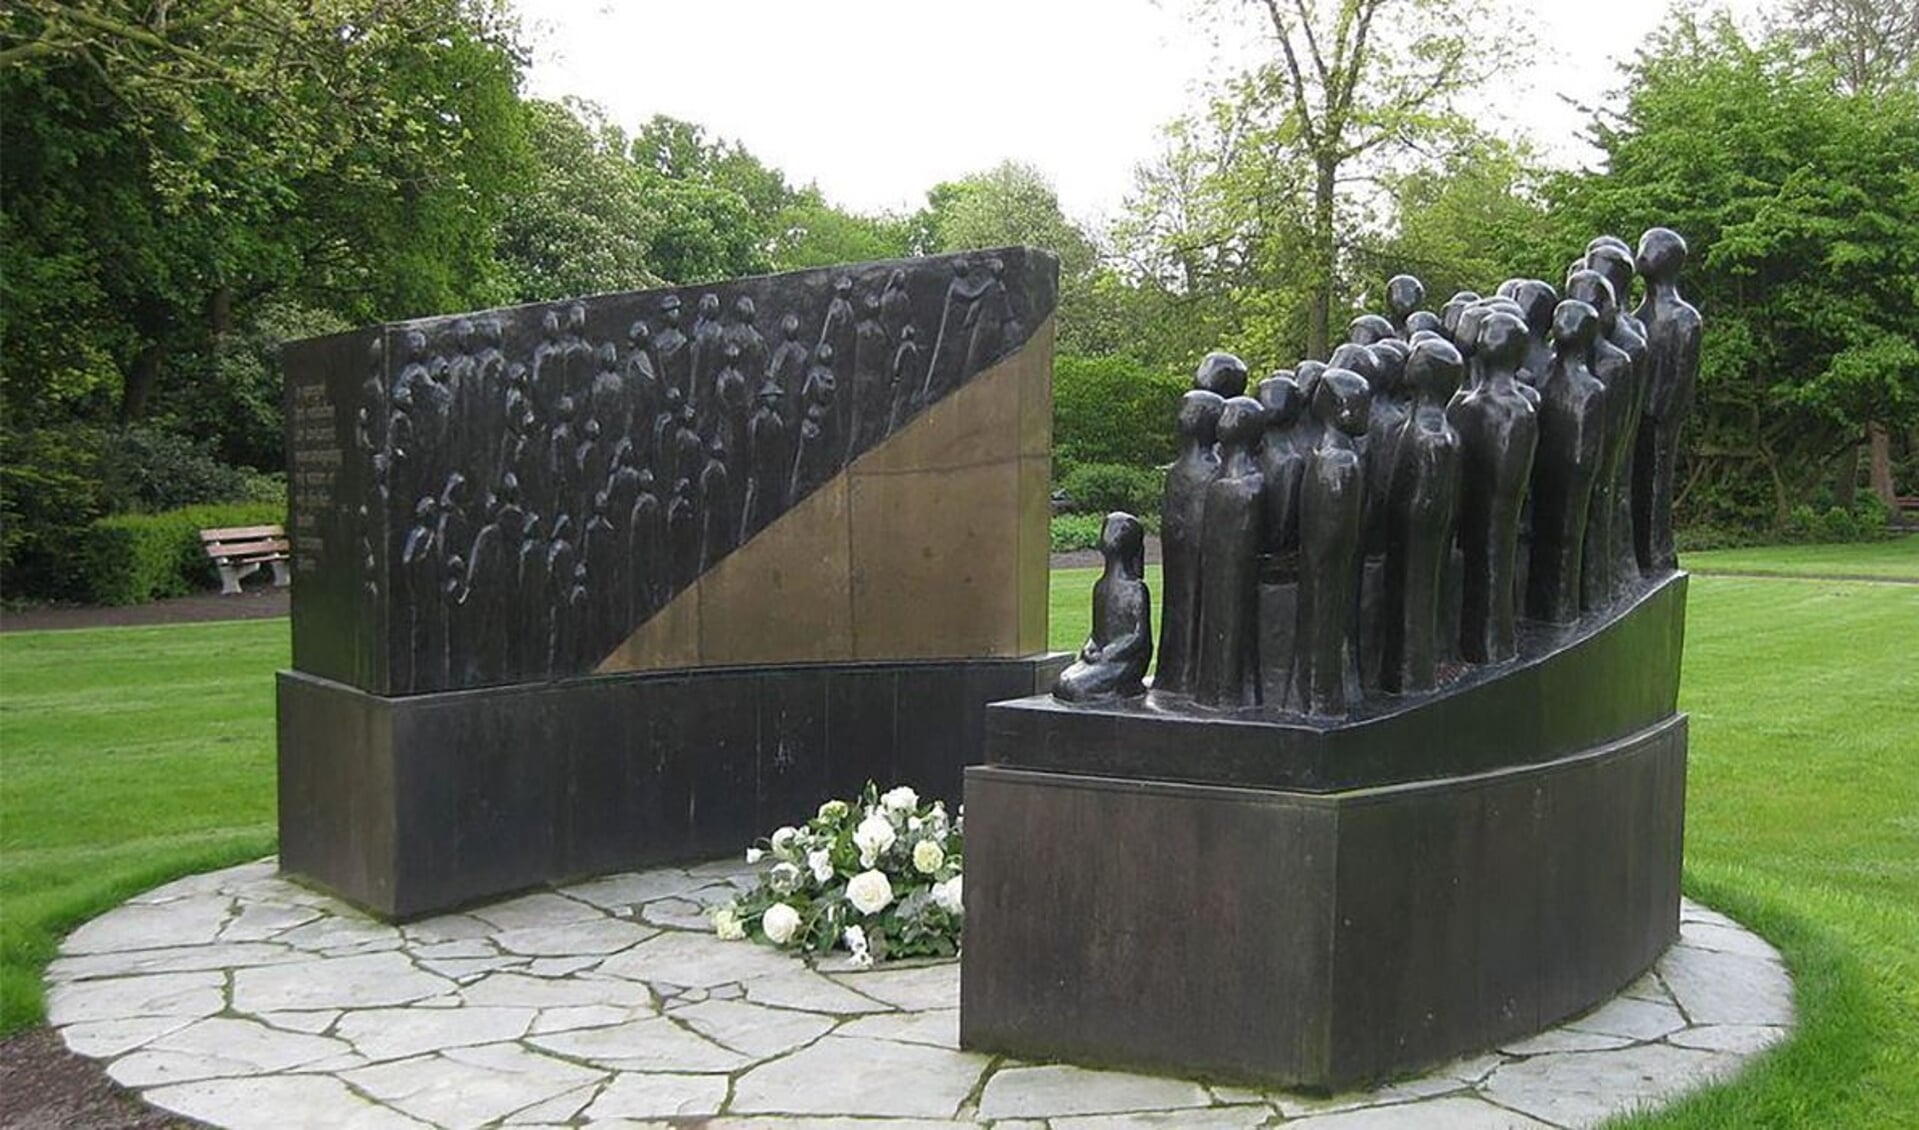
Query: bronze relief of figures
{"x": 541, "y": 481}
{"x": 1389, "y": 521}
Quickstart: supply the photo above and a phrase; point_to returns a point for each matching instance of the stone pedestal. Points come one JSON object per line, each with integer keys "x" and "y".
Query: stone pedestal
{"x": 1245, "y": 896}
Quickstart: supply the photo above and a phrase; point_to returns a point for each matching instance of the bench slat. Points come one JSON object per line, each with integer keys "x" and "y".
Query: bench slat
{"x": 241, "y": 533}
{"x": 267, "y": 548}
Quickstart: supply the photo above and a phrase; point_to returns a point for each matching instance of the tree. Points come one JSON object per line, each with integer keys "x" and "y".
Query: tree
{"x": 1800, "y": 206}
{"x": 1367, "y": 81}
{"x": 587, "y": 223}
{"x": 1871, "y": 45}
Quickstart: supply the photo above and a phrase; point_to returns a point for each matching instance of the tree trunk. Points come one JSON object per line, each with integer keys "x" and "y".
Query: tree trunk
{"x": 140, "y": 380}
{"x": 1879, "y": 473}
{"x": 220, "y": 311}
{"x": 1846, "y": 487}
{"x": 1325, "y": 244}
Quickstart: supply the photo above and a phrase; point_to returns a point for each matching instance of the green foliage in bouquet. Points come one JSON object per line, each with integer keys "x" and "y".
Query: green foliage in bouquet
{"x": 879, "y": 877}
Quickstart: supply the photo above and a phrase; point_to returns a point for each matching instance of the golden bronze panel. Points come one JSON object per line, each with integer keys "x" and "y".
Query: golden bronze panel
{"x": 1035, "y": 364}
{"x": 934, "y": 563}
{"x": 1034, "y": 551}
{"x": 671, "y": 638}
{"x": 788, "y": 594}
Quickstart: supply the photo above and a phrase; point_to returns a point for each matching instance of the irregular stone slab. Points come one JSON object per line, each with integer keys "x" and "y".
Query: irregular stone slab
{"x": 187, "y": 921}
{"x": 465, "y": 969}
{"x": 937, "y": 1028}
{"x": 1739, "y": 1039}
{"x": 560, "y": 966}
{"x": 536, "y": 992}
{"x": 219, "y": 1047}
{"x": 448, "y": 929}
{"x": 397, "y": 1033}
{"x": 1647, "y": 988}
{"x": 678, "y": 914}
{"x": 1438, "y": 1114}
{"x": 258, "y": 921}
{"x": 597, "y": 936}
{"x": 560, "y": 1111}
{"x": 173, "y": 959}
{"x": 469, "y": 1087}
{"x": 1727, "y": 988}
{"x": 1472, "y": 1069}
{"x": 620, "y": 892}
{"x": 579, "y": 1016}
{"x": 931, "y": 986}
{"x": 660, "y": 1096}
{"x": 289, "y": 1102}
{"x": 861, "y": 1078}
{"x": 454, "y": 950}
{"x": 758, "y": 1033}
{"x": 1690, "y": 911}
{"x": 335, "y": 982}
{"x": 1633, "y": 1019}
{"x": 337, "y": 931}
{"x": 187, "y": 995}
{"x": 651, "y": 1043}
{"x": 1726, "y": 939}
{"x": 800, "y": 988}
{"x": 102, "y": 1039}
{"x": 1588, "y": 1088}
{"x": 1212, "y": 1118}
{"x": 1558, "y": 1040}
{"x": 1049, "y": 1092}
{"x": 698, "y": 960}
{"x": 788, "y": 1122}
{"x": 310, "y": 1022}
{"x": 539, "y": 910}
{"x": 187, "y": 886}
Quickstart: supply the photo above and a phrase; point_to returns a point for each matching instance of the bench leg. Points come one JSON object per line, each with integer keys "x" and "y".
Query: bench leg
{"x": 230, "y": 580}
{"x": 281, "y": 578}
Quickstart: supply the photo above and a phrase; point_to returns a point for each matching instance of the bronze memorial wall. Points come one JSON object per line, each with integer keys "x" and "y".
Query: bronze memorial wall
{"x": 591, "y": 584}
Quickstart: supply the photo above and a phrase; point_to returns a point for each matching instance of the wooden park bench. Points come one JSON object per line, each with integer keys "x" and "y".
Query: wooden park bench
{"x": 240, "y": 551}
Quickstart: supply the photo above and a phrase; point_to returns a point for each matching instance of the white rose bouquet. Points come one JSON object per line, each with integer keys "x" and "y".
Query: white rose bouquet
{"x": 879, "y": 877}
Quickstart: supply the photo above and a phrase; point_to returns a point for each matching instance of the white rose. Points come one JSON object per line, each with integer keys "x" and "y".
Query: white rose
{"x": 726, "y": 923}
{"x": 948, "y": 895}
{"x": 874, "y": 835}
{"x": 869, "y": 891}
{"x": 862, "y": 957}
{"x": 901, "y": 799}
{"x": 832, "y": 810}
{"x": 784, "y": 878}
{"x": 754, "y": 855}
{"x": 780, "y": 922}
{"x": 927, "y": 857}
{"x": 783, "y": 839}
{"x": 821, "y": 862}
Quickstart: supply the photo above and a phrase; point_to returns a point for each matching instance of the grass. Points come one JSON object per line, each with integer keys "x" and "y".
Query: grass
{"x": 1895, "y": 558}
{"x": 132, "y": 755}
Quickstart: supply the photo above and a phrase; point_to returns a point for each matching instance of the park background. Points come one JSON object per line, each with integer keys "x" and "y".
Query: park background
{"x": 184, "y": 186}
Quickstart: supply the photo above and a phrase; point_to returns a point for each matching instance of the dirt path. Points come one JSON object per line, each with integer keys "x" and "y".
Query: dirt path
{"x": 253, "y": 604}
{"x": 43, "y": 1085}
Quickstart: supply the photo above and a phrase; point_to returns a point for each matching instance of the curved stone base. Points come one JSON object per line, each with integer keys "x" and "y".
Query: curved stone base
{"x": 243, "y": 1000}
{"x": 1314, "y": 939}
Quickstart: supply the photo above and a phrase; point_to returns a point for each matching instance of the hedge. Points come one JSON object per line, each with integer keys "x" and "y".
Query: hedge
{"x": 134, "y": 558}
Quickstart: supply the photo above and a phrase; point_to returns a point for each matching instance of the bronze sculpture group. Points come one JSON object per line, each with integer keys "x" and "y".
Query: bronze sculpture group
{"x": 1382, "y": 522}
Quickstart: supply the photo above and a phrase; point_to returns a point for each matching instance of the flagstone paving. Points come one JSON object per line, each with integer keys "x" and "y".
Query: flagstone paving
{"x": 244, "y": 1000}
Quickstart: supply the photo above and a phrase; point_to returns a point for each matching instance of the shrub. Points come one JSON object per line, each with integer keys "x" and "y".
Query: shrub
{"x": 1103, "y": 487}
{"x": 48, "y": 494}
{"x": 1113, "y": 409}
{"x": 148, "y": 469}
{"x": 133, "y": 558}
{"x": 1072, "y": 532}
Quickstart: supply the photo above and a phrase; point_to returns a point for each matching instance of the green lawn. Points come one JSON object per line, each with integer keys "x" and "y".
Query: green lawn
{"x": 128, "y": 756}
{"x": 131, "y": 755}
{"x": 1897, "y": 558}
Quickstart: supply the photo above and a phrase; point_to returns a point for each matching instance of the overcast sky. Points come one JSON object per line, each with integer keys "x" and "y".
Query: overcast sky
{"x": 878, "y": 100}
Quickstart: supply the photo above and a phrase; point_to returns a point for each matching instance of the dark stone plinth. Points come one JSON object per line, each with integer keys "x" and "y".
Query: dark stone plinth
{"x": 1313, "y": 939}
{"x": 417, "y": 804}
{"x": 1570, "y": 689}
